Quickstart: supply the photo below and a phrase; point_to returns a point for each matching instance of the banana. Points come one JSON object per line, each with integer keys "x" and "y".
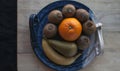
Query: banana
{"x": 55, "y": 57}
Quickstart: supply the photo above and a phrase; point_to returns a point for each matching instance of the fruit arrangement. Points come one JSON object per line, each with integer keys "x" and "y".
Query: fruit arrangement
{"x": 73, "y": 27}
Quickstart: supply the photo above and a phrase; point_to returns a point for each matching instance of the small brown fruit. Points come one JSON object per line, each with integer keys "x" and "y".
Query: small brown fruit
{"x": 55, "y": 16}
{"x": 68, "y": 10}
{"x": 49, "y": 30}
{"x": 82, "y": 15}
{"x": 89, "y": 27}
{"x": 83, "y": 42}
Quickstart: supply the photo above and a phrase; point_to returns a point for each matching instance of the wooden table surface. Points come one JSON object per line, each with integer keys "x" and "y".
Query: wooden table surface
{"x": 107, "y": 11}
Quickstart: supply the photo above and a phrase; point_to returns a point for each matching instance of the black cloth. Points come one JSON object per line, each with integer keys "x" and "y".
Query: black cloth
{"x": 8, "y": 35}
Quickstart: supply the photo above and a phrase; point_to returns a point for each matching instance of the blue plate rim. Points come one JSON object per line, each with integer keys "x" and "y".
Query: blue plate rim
{"x": 36, "y": 49}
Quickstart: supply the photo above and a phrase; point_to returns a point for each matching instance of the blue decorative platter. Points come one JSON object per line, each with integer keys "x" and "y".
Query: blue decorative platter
{"x": 37, "y": 23}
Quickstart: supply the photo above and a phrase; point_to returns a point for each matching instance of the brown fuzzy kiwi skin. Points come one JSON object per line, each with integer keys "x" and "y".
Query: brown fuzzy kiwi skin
{"x": 83, "y": 42}
{"x": 49, "y": 30}
{"x": 55, "y": 16}
{"x": 69, "y": 10}
{"x": 89, "y": 27}
{"x": 82, "y": 15}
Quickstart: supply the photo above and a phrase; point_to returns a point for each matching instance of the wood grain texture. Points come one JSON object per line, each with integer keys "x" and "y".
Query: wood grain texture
{"x": 29, "y": 62}
{"x": 107, "y": 11}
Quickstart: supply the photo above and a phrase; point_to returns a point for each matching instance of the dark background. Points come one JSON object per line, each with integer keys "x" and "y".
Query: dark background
{"x": 8, "y": 35}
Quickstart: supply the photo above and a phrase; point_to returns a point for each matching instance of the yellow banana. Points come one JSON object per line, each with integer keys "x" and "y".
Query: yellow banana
{"x": 55, "y": 57}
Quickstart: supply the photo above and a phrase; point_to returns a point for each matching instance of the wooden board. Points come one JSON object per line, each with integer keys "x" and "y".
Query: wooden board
{"x": 107, "y": 11}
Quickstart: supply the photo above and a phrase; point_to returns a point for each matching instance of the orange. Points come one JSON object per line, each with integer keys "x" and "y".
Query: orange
{"x": 70, "y": 29}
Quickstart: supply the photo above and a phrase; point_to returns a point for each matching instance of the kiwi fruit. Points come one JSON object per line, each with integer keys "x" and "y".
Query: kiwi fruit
{"x": 89, "y": 27}
{"x": 49, "y": 30}
{"x": 69, "y": 10}
{"x": 82, "y": 15}
{"x": 83, "y": 42}
{"x": 55, "y": 16}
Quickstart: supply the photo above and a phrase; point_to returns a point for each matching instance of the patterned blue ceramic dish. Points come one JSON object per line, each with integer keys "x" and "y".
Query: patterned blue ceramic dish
{"x": 38, "y": 21}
